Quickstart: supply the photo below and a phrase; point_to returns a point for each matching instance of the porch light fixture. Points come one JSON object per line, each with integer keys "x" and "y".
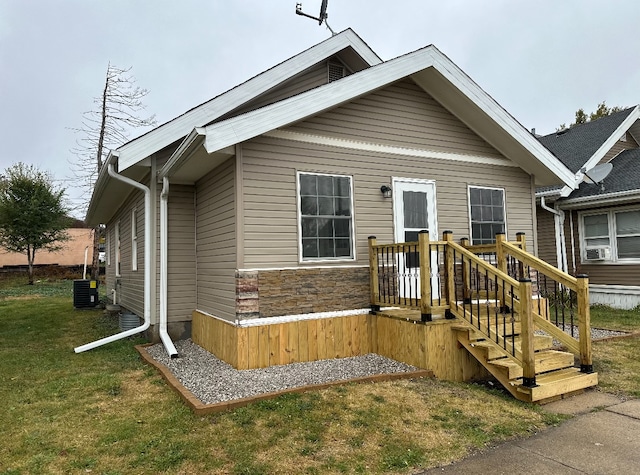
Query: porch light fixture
{"x": 386, "y": 191}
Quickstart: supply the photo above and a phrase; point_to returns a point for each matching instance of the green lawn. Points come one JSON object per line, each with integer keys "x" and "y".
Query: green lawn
{"x": 105, "y": 412}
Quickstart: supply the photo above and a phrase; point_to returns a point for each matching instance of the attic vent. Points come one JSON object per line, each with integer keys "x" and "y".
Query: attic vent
{"x": 336, "y": 71}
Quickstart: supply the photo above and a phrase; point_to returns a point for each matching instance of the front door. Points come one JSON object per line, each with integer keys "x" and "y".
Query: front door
{"x": 414, "y": 210}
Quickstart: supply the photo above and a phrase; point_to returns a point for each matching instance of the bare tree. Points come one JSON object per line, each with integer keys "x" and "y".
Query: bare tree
{"x": 118, "y": 111}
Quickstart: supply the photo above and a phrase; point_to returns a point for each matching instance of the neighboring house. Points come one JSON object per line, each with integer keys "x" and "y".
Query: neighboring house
{"x": 595, "y": 229}
{"x": 260, "y": 201}
{"x": 72, "y": 254}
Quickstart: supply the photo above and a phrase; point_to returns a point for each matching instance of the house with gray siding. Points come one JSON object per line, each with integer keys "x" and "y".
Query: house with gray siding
{"x": 594, "y": 229}
{"x": 258, "y": 203}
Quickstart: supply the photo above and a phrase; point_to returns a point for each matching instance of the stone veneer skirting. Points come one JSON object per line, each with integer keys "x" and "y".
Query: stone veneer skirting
{"x": 273, "y": 293}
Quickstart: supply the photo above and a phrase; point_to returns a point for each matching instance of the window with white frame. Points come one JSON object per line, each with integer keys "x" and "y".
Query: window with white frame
{"x": 134, "y": 239}
{"x": 326, "y": 217}
{"x": 108, "y": 246}
{"x": 486, "y": 213}
{"x": 612, "y": 235}
{"x": 118, "y": 249}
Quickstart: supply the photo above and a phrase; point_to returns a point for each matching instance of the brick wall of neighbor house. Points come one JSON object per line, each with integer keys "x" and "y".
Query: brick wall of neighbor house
{"x": 299, "y": 291}
{"x": 71, "y": 255}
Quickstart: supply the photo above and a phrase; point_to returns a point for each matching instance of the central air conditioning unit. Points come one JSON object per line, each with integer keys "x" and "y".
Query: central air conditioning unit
{"x": 602, "y": 253}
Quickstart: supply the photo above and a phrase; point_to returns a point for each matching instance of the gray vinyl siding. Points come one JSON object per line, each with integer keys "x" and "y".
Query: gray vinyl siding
{"x": 619, "y": 146}
{"x": 546, "y": 236}
{"x": 130, "y": 292}
{"x": 216, "y": 241}
{"x": 399, "y": 115}
{"x": 270, "y": 209}
{"x": 182, "y": 253}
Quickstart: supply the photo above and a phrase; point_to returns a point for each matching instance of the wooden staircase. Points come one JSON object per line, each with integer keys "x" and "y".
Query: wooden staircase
{"x": 556, "y": 375}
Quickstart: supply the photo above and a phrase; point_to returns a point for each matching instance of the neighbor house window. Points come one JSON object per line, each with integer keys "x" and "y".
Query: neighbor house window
{"x": 134, "y": 239}
{"x": 118, "y": 249}
{"x": 326, "y": 216}
{"x": 487, "y": 214}
{"x": 612, "y": 235}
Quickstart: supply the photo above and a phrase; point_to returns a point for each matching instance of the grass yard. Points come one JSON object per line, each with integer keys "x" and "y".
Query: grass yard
{"x": 617, "y": 362}
{"x": 105, "y": 412}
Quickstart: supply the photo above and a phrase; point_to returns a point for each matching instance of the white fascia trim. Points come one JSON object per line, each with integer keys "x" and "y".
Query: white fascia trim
{"x": 615, "y": 289}
{"x": 610, "y": 142}
{"x": 490, "y": 107}
{"x": 180, "y": 155}
{"x": 101, "y": 185}
{"x": 315, "y": 101}
{"x": 384, "y": 149}
{"x": 165, "y": 134}
{"x": 609, "y": 199}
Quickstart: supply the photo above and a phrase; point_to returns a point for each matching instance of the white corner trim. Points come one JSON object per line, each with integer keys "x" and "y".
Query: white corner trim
{"x": 384, "y": 149}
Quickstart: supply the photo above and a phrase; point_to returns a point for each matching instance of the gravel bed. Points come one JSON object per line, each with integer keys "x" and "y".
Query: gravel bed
{"x": 212, "y": 380}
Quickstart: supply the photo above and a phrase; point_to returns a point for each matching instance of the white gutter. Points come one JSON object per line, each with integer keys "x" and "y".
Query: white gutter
{"x": 164, "y": 230}
{"x": 561, "y": 251}
{"x": 147, "y": 267}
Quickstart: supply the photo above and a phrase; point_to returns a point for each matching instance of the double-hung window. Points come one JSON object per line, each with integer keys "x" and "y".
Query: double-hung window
{"x": 118, "y": 249}
{"x": 612, "y": 235}
{"x": 326, "y": 217}
{"x": 487, "y": 214}
{"x": 134, "y": 239}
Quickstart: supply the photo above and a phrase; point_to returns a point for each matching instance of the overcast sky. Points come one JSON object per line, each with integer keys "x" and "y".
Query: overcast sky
{"x": 540, "y": 60}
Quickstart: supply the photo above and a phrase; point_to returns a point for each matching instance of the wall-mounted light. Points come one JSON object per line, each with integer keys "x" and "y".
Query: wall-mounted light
{"x": 386, "y": 191}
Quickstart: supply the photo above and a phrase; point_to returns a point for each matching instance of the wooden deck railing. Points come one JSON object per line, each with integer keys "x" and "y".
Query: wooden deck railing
{"x": 487, "y": 286}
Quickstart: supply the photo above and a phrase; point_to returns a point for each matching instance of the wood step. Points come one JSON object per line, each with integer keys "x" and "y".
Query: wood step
{"x": 540, "y": 342}
{"x": 559, "y": 382}
{"x": 546, "y": 360}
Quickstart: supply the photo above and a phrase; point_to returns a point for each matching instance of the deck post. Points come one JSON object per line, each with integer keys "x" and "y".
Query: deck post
{"x": 500, "y": 256}
{"x": 584, "y": 323}
{"x": 522, "y": 240}
{"x": 449, "y": 273}
{"x": 425, "y": 275}
{"x": 373, "y": 275}
{"x": 526, "y": 335}
{"x": 466, "y": 275}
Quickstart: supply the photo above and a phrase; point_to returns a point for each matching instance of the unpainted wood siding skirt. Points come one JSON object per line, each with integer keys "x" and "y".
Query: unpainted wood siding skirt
{"x": 382, "y": 148}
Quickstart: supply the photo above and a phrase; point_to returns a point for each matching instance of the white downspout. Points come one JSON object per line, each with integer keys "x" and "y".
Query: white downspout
{"x": 164, "y": 267}
{"x": 561, "y": 251}
{"x": 147, "y": 267}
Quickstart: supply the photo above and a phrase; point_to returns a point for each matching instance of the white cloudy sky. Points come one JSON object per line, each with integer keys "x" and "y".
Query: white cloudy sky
{"x": 541, "y": 60}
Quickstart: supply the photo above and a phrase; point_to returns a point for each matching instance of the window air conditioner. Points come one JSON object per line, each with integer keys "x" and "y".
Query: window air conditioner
{"x": 598, "y": 253}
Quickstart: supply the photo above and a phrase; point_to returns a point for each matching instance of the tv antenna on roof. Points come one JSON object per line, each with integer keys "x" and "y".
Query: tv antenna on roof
{"x": 321, "y": 18}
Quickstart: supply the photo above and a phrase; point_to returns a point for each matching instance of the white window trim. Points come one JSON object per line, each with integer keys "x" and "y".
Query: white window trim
{"x": 613, "y": 241}
{"x": 134, "y": 239}
{"x": 504, "y": 207}
{"x": 352, "y": 223}
{"x": 118, "y": 250}
{"x": 108, "y": 246}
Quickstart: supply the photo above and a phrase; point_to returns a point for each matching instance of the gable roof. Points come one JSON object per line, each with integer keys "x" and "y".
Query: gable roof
{"x": 576, "y": 145}
{"x": 138, "y": 149}
{"x": 429, "y": 69}
{"x": 583, "y": 146}
{"x": 622, "y": 184}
